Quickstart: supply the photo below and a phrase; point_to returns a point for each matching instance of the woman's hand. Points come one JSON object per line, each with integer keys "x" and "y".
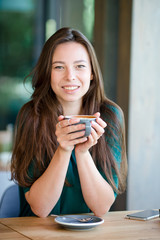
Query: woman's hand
{"x": 97, "y": 131}
{"x": 66, "y": 133}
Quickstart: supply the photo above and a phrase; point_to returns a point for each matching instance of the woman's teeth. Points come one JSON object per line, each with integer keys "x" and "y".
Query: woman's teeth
{"x": 70, "y": 88}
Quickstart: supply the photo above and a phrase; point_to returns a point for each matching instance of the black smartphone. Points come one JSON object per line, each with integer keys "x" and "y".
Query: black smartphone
{"x": 144, "y": 215}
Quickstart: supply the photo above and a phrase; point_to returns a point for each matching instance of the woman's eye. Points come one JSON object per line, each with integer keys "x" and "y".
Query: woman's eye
{"x": 81, "y": 66}
{"x": 58, "y": 67}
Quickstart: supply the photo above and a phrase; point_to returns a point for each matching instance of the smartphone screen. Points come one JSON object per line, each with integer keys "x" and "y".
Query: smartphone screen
{"x": 144, "y": 215}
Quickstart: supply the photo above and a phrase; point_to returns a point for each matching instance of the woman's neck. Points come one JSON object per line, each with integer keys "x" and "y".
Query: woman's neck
{"x": 71, "y": 108}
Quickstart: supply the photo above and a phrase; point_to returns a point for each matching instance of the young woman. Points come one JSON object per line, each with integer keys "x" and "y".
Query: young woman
{"x": 58, "y": 170}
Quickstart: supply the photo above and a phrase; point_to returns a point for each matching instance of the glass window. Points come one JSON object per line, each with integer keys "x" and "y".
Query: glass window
{"x": 16, "y": 55}
{"x": 25, "y": 25}
{"x": 17, "y": 24}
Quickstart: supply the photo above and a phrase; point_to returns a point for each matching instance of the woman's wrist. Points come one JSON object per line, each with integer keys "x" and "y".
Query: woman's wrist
{"x": 65, "y": 150}
{"x": 81, "y": 153}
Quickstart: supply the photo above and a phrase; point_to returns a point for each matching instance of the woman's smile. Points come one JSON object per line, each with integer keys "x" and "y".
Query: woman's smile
{"x": 71, "y": 88}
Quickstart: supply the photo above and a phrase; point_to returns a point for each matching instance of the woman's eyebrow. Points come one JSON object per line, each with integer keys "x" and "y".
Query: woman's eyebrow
{"x": 55, "y": 62}
{"x": 77, "y": 61}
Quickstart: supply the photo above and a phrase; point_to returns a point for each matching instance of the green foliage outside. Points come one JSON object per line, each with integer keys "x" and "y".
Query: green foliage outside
{"x": 16, "y": 61}
{"x": 16, "y": 43}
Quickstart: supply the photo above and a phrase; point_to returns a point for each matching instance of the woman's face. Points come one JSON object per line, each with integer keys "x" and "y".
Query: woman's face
{"x": 71, "y": 72}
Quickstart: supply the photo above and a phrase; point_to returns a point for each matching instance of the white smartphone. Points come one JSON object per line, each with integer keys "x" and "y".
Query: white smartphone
{"x": 144, "y": 215}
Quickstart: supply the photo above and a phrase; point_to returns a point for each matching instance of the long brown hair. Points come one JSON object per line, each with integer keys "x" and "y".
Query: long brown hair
{"x": 35, "y": 139}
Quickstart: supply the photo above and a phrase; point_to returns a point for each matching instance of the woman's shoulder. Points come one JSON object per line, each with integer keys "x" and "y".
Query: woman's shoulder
{"x": 110, "y": 108}
{"x": 26, "y": 108}
{"x": 25, "y": 112}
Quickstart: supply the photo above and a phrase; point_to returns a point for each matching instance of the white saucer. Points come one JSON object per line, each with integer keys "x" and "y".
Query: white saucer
{"x": 73, "y": 224}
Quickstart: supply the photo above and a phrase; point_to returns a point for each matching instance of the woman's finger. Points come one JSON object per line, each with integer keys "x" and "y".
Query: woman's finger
{"x": 102, "y": 123}
{"x": 98, "y": 128}
{"x": 67, "y": 122}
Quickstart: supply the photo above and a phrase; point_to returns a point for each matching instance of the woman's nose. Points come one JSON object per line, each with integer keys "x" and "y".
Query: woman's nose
{"x": 70, "y": 74}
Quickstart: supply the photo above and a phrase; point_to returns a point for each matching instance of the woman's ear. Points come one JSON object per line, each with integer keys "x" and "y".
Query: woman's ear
{"x": 91, "y": 76}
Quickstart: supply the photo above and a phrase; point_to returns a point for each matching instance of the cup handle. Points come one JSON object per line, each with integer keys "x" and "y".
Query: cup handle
{"x": 88, "y": 128}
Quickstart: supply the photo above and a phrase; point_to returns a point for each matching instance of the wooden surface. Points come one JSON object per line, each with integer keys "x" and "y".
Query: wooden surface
{"x": 115, "y": 226}
{"x": 9, "y": 234}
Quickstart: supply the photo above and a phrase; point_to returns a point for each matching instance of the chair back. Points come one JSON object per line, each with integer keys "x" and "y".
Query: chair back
{"x": 10, "y": 202}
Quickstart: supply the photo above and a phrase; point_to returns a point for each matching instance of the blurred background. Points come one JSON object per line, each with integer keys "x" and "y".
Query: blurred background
{"x": 125, "y": 35}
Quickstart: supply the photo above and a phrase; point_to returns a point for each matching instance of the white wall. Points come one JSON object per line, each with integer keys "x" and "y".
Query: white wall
{"x": 144, "y": 115}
